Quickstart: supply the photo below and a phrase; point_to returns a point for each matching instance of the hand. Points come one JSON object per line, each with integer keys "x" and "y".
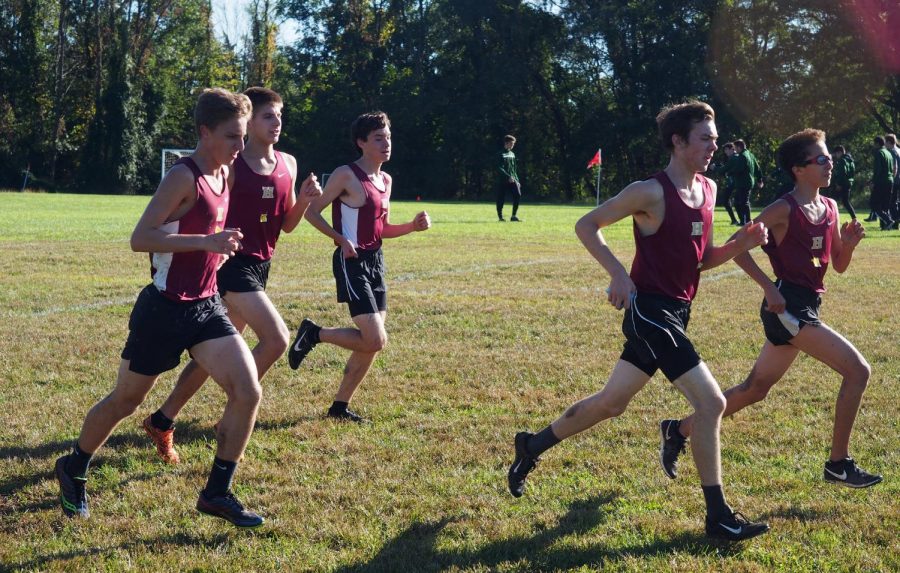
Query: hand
{"x": 751, "y": 235}
{"x": 348, "y": 249}
{"x": 422, "y": 222}
{"x": 774, "y": 300}
{"x": 309, "y": 189}
{"x": 620, "y": 292}
{"x": 511, "y": 180}
{"x": 226, "y": 242}
{"x": 852, "y": 232}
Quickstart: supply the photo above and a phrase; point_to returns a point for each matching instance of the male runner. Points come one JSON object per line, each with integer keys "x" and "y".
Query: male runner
{"x": 672, "y": 213}
{"x": 183, "y": 230}
{"x": 359, "y": 195}
{"x": 805, "y": 237}
{"x": 262, "y": 205}
{"x": 728, "y": 195}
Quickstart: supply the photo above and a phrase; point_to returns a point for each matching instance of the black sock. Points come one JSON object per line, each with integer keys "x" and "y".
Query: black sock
{"x": 715, "y": 502}
{"x": 219, "y": 482}
{"x": 77, "y": 462}
{"x": 338, "y": 407}
{"x": 314, "y": 334}
{"x": 161, "y": 422}
{"x": 542, "y": 441}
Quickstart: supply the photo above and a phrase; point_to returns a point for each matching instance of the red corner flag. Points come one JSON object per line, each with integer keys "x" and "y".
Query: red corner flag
{"x": 597, "y": 160}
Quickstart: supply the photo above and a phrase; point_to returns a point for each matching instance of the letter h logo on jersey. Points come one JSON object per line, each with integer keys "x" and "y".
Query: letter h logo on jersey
{"x": 268, "y": 192}
{"x": 696, "y": 228}
{"x": 817, "y": 243}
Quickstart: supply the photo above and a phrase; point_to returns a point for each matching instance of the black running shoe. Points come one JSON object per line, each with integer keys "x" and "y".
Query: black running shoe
{"x": 346, "y": 415}
{"x": 228, "y": 508}
{"x": 515, "y": 219}
{"x": 671, "y": 444}
{"x": 522, "y": 465}
{"x": 302, "y": 344}
{"x": 846, "y": 472}
{"x": 734, "y": 527}
{"x": 72, "y": 494}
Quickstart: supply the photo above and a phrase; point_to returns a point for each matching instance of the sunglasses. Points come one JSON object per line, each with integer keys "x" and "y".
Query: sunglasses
{"x": 820, "y": 160}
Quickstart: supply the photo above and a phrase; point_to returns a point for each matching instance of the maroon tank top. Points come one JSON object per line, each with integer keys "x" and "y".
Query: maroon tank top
{"x": 363, "y": 226}
{"x": 804, "y": 252}
{"x": 192, "y": 275}
{"x": 668, "y": 261}
{"x": 258, "y": 206}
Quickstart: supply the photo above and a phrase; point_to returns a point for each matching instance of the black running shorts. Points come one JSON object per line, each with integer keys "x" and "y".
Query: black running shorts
{"x": 160, "y": 329}
{"x": 360, "y": 281}
{"x": 241, "y": 273}
{"x": 655, "y": 329}
{"x": 801, "y": 308}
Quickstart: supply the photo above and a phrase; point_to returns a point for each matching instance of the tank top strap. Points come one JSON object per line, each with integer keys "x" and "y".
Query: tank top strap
{"x": 192, "y": 165}
{"x": 360, "y": 174}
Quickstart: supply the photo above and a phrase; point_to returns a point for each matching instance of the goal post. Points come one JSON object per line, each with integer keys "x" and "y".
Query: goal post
{"x": 169, "y": 157}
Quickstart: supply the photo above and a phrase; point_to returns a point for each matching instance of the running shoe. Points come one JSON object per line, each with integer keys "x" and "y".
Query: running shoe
{"x": 671, "y": 444}
{"x": 164, "y": 440}
{"x": 522, "y": 464}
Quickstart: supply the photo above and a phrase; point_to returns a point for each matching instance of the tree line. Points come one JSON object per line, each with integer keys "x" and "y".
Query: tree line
{"x": 92, "y": 90}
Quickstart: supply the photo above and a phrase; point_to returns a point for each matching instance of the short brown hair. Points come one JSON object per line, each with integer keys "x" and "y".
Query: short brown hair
{"x": 740, "y": 143}
{"x": 792, "y": 151}
{"x": 890, "y": 138}
{"x": 679, "y": 119}
{"x": 728, "y": 145}
{"x": 365, "y": 124}
{"x": 217, "y": 105}
{"x": 509, "y": 139}
{"x": 260, "y": 96}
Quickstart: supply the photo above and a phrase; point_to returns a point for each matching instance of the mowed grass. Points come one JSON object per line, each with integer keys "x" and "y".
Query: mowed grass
{"x": 493, "y": 328}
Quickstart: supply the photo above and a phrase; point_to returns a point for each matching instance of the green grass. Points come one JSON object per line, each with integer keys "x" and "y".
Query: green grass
{"x": 493, "y": 328}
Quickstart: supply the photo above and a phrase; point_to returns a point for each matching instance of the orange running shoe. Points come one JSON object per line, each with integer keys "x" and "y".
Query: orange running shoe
{"x": 164, "y": 441}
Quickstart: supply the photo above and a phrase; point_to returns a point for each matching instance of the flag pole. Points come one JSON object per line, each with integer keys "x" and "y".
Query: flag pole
{"x": 599, "y": 169}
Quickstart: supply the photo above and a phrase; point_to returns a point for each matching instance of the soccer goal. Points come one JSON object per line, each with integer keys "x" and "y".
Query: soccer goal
{"x": 169, "y": 157}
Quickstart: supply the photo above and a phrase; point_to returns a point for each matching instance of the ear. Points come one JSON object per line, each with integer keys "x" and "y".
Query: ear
{"x": 204, "y": 131}
{"x": 678, "y": 141}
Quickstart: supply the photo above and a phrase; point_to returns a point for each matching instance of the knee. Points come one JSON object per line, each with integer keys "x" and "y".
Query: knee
{"x": 859, "y": 374}
{"x": 248, "y": 394}
{"x": 599, "y": 407}
{"x": 126, "y": 404}
{"x": 712, "y": 406}
{"x": 280, "y": 339}
{"x": 376, "y": 342}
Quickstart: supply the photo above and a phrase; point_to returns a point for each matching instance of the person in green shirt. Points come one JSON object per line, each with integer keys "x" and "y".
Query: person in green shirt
{"x": 747, "y": 175}
{"x": 882, "y": 183}
{"x": 509, "y": 180}
{"x": 890, "y": 143}
{"x": 842, "y": 177}
{"x": 728, "y": 191}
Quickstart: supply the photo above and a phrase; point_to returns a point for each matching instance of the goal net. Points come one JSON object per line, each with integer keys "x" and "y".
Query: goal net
{"x": 169, "y": 157}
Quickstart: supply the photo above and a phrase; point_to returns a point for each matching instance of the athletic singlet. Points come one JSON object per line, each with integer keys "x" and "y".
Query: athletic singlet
{"x": 192, "y": 275}
{"x": 362, "y": 226}
{"x": 258, "y": 205}
{"x": 668, "y": 261}
{"x": 804, "y": 252}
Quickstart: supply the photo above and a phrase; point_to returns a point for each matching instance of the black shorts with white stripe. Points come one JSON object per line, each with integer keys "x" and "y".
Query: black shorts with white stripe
{"x": 360, "y": 281}
{"x": 801, "y": 308}
{"x": 655, "y": 329}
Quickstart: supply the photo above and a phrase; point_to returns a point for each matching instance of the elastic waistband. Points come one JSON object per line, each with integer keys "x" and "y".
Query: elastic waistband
{"x": 669, "y": 301}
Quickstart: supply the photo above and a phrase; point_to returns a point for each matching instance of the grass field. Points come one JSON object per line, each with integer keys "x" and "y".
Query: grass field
{"x": 493, "y": 328}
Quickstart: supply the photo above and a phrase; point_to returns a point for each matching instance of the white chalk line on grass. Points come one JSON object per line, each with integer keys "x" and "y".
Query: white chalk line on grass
{"x": 405, "y": 277}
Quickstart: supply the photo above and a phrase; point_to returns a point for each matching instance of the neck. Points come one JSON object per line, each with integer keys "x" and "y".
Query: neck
{"x": 680, "y": 174}
{"x": 205, "y": 162}
{"x": 369, "y": 165}
{"x": 259, "y": 150}
{"x": 805, "y": 191}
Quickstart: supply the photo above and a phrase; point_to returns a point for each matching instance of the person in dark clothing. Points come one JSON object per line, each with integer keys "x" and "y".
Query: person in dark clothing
{"x": 882, "y": 183}
{"x": 842, "y": 177}
{"x": 509, "y": 181}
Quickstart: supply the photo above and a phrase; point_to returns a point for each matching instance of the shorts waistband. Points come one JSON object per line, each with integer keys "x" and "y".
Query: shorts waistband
{"x": 798, "y": 290}
{"x": 174, "y": 301}
{"x": 669, "y": 301}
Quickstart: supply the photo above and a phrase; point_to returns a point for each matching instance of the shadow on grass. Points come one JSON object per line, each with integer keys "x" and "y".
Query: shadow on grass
{"x": 187, "y": 432}
{"x": 154, "y": 545}
{"x": 800, "y": 514}
{"x": 415, "y": 548}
